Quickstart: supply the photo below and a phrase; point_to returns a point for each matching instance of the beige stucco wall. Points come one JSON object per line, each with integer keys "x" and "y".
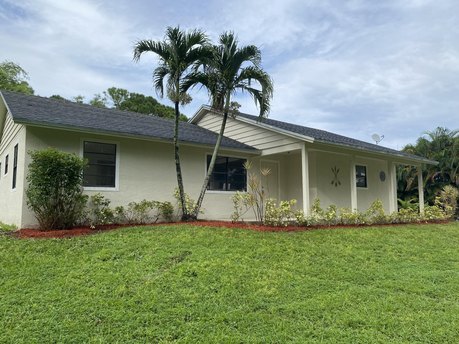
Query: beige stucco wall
{"x": 376, "y": 189}
{"x": 146, "y": 170}
{"x": 321, "y": 176}
{"x": 11, "y": 200}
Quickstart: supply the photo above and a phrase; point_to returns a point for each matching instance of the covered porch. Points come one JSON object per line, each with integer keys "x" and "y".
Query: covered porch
{"x": 347, "y": 179}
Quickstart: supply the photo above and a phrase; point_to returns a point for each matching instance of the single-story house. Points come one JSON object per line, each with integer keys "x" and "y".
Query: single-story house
{"x": 130, "y": 157}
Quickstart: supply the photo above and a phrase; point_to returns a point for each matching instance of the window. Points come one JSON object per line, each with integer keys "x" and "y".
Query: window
{"x": 101, "y": 168}
{"x": 6, "y": 164}
{"x": 361, "y": 176}
{"x": 15, "y": 165}
{"x": 229, "y": 174}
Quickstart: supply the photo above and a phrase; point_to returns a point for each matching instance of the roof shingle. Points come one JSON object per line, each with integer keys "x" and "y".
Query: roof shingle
{"x": 35, "y": 110}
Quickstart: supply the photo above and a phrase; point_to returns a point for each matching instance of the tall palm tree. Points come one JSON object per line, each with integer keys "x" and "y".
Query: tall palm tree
{"x": 177, "y": 53}
{"x": 230, "y": 69}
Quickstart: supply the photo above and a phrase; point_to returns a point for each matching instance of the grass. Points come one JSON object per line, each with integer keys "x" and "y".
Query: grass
{"x": 189, "y": 284}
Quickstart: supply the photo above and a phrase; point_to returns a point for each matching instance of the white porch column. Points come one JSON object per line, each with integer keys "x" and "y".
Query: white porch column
{"x": 305, "y": 179}
{"x": 392, "y": 179}
{"x": 420, "y": 189}
{"x": 353, "y": 181}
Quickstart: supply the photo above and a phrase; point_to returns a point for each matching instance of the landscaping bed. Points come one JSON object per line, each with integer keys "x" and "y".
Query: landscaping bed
{"x": 87, "y": 230}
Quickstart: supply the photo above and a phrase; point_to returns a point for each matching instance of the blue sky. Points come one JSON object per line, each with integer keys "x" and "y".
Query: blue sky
{"x": 351, "y": 67}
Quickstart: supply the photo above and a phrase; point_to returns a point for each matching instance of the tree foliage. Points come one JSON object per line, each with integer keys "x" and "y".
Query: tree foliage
{"x": 178, "y": 52}
{"x": 55, "y": 192}
{"x": 441, "y": 145}
{"x": 14, "y": 78}
{"x": 227, "y": 69}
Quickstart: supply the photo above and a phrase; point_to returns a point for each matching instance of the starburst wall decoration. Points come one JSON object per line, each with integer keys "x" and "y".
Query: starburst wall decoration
{"x": 335, "y": 181}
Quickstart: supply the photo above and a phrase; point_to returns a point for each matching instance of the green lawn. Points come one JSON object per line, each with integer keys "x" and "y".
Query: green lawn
{"x": 189, "y": 284}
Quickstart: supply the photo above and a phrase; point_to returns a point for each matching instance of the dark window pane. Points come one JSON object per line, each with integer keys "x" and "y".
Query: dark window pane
{"x": 228, "y": 174}
{"x": 361, "y": 176}
{"x": 101, "y": 168}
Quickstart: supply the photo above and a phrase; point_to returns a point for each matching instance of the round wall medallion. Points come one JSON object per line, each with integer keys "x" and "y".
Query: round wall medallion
{"x": 382, "y": 176}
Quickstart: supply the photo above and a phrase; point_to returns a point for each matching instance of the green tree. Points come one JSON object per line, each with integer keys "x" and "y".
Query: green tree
{"x": 117, "y": 96}
{"x": 441, "y": 145}
{"x": 148, "y": 105}
{"x": 57, "y": 96}
{"x": 177, "y": 53}
{"x": 230, "y": 69}
{"x": 79, "y": 99}
{"x": 98, "y": 101}
{"x": 14, "y": 78}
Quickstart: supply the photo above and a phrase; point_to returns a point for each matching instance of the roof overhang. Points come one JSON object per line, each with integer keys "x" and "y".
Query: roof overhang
{"x": 204, "y": 109}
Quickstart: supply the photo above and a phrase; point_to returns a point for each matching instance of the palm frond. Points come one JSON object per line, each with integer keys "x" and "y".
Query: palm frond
{"x": 156, "y": 47}
{"x": 159, "y": 74}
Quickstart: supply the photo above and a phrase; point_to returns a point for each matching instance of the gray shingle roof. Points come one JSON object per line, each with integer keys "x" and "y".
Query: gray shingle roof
{"x": 331, "y": 138}
{"x": 48, "y": 112}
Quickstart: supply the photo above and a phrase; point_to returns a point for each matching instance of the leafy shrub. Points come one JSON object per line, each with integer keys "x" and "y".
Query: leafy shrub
{"x": 434, "y": 213}
{"x": 7, "y": 228}
{"x": 407, "y": 215}
{"x": 317, "y": 214}
{"x": 348, "y": 216}
{"x": 134, "y": 213}
{"x": 100, "y": 211}
{"x": 55, "y": 192}
{"x": 165, "y": 210}
{"x": 448, "y": 200}
{"x": 190, "y": 203}
{"x": 279, "y": 215}
{"x": 375, "y": 213}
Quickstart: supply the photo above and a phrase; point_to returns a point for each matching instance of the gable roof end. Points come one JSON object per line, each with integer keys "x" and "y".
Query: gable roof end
{"x": 316, "y": 135}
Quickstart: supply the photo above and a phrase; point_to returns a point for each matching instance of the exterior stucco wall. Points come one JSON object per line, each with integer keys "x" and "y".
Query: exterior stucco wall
{"x": 376, "y": 188}
{"x": 11, "y": 200}
{"x": 146, "y": 170}
{"x": 327, "y": 192}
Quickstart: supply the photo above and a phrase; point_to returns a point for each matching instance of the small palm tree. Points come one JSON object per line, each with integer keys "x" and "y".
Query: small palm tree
{"x": 230, "y": 69}
{"x": 177, "y": 53}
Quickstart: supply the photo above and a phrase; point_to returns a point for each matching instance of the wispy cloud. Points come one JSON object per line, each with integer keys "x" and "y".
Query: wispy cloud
{"x": 355, "y": 67}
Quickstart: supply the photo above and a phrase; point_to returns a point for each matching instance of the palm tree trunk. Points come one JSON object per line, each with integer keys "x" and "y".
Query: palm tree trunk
{"x": 214, "y": 157}
{"x": 178, "y": 168}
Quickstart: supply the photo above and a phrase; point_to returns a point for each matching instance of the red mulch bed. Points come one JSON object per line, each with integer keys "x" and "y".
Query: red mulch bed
{"x": 78, "y": 231}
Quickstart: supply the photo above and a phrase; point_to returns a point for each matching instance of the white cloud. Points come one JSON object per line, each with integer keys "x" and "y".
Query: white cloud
{"x": 354, "y": 67}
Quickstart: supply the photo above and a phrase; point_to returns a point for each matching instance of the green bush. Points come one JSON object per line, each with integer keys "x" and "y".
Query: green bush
{"x": 279, "y": 215}
{"x": 55, "y": 192}
{"x": 134, "y": 213}
{"x": 100, "y": 212}
{"x": 7, "y": 228}
{"x": 448, "y": 200}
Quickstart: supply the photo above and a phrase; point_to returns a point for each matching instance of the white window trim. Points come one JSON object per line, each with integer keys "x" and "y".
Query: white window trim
{"x": 229, "y": 192}
{"x": 366, "y": 176}
{"x": 117, "y": 165}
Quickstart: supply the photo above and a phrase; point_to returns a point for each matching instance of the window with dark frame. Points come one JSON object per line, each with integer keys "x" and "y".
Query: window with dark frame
{"x": 6, "y": 164}
{"x": 101, "y": 168}
{"x": 15, "y": 166}
{"x": 229, "y": 174}
{"x": 361, "y": 176}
